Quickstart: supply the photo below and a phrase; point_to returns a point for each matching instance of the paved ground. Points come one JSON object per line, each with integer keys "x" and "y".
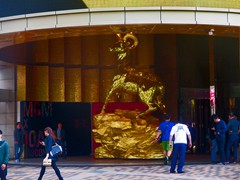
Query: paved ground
{"x": 132, "y": 172}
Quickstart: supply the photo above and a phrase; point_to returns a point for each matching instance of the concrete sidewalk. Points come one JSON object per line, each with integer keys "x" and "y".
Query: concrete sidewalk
{"x": 132, "y": 172}
{"x": 80, "y": 161}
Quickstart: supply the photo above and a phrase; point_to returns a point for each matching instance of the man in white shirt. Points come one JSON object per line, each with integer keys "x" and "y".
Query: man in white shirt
{"x": 180, "y": 132}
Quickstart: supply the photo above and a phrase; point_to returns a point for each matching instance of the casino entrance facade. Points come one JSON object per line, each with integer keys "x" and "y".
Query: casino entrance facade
{"x": 59, "y": 53}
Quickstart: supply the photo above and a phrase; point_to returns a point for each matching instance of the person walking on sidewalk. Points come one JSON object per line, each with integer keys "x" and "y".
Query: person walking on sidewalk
{"x": 164, "y": 130}
{"x": 18, "y": 141}
{"x": 232, "y": 142}
{"x": 48, "y": 143}
{"x": 220, "y": 132}
{"x": 4, "y": 157}
{"x": 181, "y": 132}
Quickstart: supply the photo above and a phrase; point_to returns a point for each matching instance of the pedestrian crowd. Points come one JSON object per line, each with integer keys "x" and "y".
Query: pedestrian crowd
{"x": 225, "y": 139}
{"x": 177, "y": 138}
{"x": 50, "y": 140}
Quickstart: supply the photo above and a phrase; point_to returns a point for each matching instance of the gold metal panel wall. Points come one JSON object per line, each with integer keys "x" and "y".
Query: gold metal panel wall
{"x": 106, "y": 83}
{"x": 90, "y": 50}
{"x": 137, "y": 3}
{"x": 90, "y": 85}
{"x": 167, "y": 70}
{"x": 56, "y": 84}
{"x": 41, "y": 51}
{"x": 21, "y": 83}
{"x": 72, "y": 49}
{"x": 80, "y": 69}
{"x": 145, "y": 51}
{"x": 56, "y": 51}
{"x": 73, "y": 85}
{"x": 107, "y": 58}
{"x": 37, "y": 83}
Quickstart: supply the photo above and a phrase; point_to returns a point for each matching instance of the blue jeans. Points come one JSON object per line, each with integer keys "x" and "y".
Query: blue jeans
{"x": 221, "y": 143}
{"x": 3, "y": 173}
{"x": 232, "y": 142}
{"x": 214, "y": 150}
{"x": 178, "y": 150}
{"x": 18, "y": 150}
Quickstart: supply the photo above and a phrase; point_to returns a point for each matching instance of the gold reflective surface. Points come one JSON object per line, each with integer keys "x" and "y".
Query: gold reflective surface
{"x": 129, "y": 134}
{"x": 146, "y": 85}
{"x": 138, "y": 3}
{"x": 122, "y": 135}
{"x": 21, "y": 82}
{"x": 56, "y": 87}
{"x": 37, "y": 83}
{"x": 73, "y": 85}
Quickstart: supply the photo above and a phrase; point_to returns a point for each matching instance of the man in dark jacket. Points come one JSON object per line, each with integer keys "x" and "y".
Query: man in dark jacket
{"x": 4, "y": 157}
{"x": 214, "y": 147}
{"x": 220, "y": 132}
{"x": 232, "y": 128}
{"x": 61, "y": 139}
{"x": 18, "y": 141}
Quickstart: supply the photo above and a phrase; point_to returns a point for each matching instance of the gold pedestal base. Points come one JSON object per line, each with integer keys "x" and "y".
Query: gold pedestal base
{"x": 122, "y": 135}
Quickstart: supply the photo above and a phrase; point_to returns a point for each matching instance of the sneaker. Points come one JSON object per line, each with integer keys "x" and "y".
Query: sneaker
{"x": 180, "y": 172}
{"x": 172, "y": 171}
{"x": 227, "y": 162}
{"x": 221, "y": 163}
{"x": 166, "y": 160}
{"x": 17, "y": 160}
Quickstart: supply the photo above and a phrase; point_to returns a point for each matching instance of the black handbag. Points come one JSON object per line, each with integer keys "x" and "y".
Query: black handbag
{"x": 56, "y": 150}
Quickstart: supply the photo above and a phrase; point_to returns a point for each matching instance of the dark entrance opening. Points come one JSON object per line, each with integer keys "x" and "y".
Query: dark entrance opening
{"x": 196, "y": 114}
{"x": 76, "y": 119}
{"x": 201, "y": 121}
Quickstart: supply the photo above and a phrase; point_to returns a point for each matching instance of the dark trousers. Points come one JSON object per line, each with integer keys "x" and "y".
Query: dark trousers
{"x": 214, "y": 151}
{"x": 3, "y": 173}
{"x": 221, "y": 143}
{"x": 232, "y": 142}
{"x": 18, "y": 150}
{"x": 54, "y": 166}
{"x": 179, "y": 150}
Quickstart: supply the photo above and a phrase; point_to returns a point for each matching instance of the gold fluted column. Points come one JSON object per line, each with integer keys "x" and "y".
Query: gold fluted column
{"x": 108, "y": 61}
{"x": 90, "y": 85}
{"x": 56, "y": 84}
{"x": 165, "y": 62}
{"x": 21, "y": 83}
{"x": 56, "y": 51}
{"x": 72, "y": 47}
{"x": 41, "y": 51}
{"x": 90, "y": 50}
{"x": 37, "y": 83}
{"x": 90, "y": 75}
{"x": 145, "y": 52}
{"x": 73, "y": 85}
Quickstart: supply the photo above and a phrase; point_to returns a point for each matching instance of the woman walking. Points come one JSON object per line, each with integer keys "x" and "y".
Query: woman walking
{"x": 48, "y": 143}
